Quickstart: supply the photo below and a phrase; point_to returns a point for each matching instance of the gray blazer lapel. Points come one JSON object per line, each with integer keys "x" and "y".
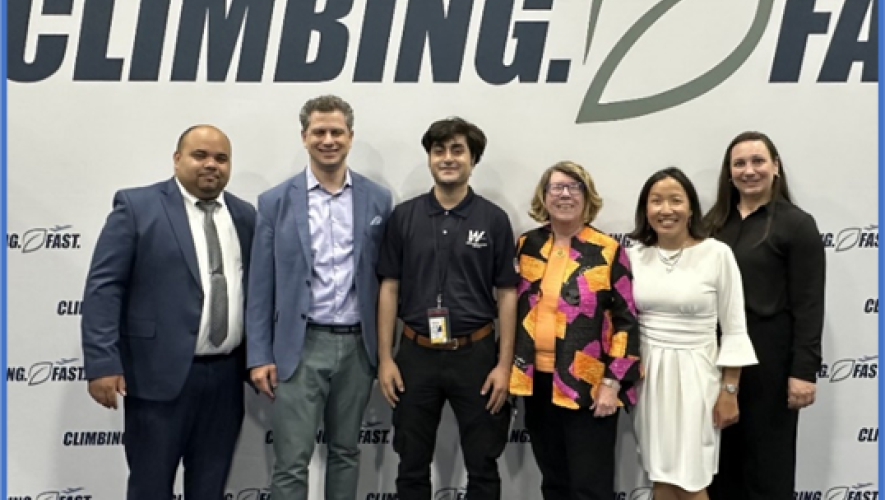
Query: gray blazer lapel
{"x": 360, "y": 218}
{"x": 298, "y": 194}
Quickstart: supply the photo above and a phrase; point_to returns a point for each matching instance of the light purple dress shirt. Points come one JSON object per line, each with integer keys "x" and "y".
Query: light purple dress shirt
{"x": 332, "y": 290}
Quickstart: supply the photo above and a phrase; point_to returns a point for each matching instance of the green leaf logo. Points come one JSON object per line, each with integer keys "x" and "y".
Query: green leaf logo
{"x": 250, "y": 494}
{"x": 841, "y": 370}
{"x": 34, "y": 239}
{"x": 641, "y": 494}
{"x": 837, "y": 493}
{"x": 39, "y": 373}
{"x": 847, "y": 239}
{"x": 594, "y": 110}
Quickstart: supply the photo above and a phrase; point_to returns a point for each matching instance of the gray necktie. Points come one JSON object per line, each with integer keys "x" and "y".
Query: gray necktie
{"x": 218, "y": 283}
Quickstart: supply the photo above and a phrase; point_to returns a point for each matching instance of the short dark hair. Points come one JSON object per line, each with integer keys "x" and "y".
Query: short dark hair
{"x": 444, "y": 130}
{"x": 326, "y": 104}
{"x": 643, "y": 233}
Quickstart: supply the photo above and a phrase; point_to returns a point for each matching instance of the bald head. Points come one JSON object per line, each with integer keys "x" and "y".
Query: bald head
{"x": 197, "y": 128}
{"x": 203, "y": 161}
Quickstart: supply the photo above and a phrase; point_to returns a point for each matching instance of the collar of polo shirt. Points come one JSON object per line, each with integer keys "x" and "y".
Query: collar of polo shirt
{"x": 461, "y": 209}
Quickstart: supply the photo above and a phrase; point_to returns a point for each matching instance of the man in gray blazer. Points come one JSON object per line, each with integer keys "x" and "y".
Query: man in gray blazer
{"x": 313, "y": 291}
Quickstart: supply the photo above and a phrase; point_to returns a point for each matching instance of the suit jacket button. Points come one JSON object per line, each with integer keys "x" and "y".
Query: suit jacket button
{"x": 307, "y": 282}
{"x": 303, "y": 316}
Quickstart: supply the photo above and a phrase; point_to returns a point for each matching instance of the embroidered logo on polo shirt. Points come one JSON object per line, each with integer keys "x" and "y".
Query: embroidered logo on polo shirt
{"x": 477, "y": 239}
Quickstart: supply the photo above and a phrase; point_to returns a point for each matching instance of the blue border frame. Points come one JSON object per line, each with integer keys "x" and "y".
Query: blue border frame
{"x": 881, "y": 175}
{"x": 3, "y": 217}
{"x": 3, "y": 221}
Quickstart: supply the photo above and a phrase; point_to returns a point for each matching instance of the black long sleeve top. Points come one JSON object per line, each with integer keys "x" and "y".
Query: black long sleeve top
{"x": 783, "y": 272}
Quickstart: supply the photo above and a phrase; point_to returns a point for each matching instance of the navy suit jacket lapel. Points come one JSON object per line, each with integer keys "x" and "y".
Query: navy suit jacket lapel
{"x": 173, "y": 203}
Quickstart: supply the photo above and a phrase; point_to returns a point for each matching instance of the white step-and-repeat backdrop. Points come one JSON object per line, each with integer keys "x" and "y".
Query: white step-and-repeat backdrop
{"x": 99, "y": 90}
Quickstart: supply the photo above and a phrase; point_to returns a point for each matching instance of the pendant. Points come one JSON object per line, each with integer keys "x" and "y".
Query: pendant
{"x": 670, "y": 261}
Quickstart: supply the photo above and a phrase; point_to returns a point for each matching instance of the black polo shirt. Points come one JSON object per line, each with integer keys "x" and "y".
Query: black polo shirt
{"x": 474, "y": 241}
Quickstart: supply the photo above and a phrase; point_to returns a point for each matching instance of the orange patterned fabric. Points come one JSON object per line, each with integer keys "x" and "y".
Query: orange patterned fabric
{"x": 550, "y": 323}
{"x": 582, "y": 301}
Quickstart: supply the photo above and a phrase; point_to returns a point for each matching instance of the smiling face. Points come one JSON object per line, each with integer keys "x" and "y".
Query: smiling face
{"x": 451, "y": 162}
{"x": 327, "y": 139}
{"x": 752, "y": 169}
{"x": 564, "y": 198}
{"x": 203, "y": 162}
{"x": 668, "y": 210}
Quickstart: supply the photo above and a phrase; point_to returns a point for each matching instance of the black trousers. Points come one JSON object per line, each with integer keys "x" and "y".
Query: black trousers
{"x": 757, "y": 458}
{"x": 432, "y": 377}
{"x": 575, "y": 451}
{"x": 200, "y": 427}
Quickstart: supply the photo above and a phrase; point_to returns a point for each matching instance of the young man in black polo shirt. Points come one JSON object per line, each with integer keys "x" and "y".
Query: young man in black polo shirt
{"x": 443, "y": 256}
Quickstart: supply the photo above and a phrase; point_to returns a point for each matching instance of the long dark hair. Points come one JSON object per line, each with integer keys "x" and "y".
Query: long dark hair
{"x": 727, "y": 195}
{"x": 643, "y": 233}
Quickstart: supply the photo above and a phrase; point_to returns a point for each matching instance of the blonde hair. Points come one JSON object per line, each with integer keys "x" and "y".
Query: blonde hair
{"x": 592, "y": 200}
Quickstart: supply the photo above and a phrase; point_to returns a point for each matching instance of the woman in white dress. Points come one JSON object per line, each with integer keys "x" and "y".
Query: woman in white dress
{"x": 684, "y": 285}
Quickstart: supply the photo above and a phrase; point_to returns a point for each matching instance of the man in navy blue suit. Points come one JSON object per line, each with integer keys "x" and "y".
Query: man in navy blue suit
{"x": 312, "y": 301}
{"x": 163, "y": 320}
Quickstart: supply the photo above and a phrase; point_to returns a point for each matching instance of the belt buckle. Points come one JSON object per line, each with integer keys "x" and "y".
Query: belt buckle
{"x": 453, "y": 343}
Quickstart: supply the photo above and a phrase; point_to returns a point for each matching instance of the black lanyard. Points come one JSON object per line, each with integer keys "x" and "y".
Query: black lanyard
{"x": 443, "y": 264}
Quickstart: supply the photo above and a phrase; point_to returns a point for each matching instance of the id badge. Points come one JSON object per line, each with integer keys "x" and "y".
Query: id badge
{"x": 438, "y": 320}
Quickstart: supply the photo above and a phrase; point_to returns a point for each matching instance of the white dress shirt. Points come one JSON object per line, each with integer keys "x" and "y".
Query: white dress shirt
{"x": 233, "y": 272}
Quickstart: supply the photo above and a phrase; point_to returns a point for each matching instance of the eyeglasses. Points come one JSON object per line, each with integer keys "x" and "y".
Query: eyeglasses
{"x": 574, "y": 188}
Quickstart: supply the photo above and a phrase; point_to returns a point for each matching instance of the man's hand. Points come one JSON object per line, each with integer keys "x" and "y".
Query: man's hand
{"x": 390, "y": 381}
{"x": 264, "y": 377}
{"x": 800, "y": 393}
{"x": 104, "y": 390}
{"x": 499, "y": 383}
{"x": 606, "y": 403}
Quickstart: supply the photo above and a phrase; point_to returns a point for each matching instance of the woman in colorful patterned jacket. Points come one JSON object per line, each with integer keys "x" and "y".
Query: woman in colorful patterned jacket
{"x": 577, "y": 338}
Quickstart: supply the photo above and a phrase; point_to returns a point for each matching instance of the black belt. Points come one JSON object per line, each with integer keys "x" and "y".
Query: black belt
{"x": 337, "y": 329}
{"x": 212, "y": 358}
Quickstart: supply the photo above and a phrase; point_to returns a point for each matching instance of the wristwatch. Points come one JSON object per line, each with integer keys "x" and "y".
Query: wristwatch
{"x": 730, "y": 388}
{"x": 611, "y": 383}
